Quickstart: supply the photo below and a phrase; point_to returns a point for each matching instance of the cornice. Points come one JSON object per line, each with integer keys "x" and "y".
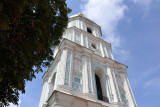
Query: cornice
{"x": 90, "y": 53}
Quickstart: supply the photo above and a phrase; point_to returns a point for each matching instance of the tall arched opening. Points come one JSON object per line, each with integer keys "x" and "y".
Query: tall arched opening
{"x": 100, "y": 82}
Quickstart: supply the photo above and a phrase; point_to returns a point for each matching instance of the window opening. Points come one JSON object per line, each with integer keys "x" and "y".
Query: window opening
{"x": 93, "y": 45}
{"x": 99, "y": 89}
{"x": 89, "y": 30}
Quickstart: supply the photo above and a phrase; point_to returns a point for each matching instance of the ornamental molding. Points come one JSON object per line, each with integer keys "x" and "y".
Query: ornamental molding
{"x": 53, "y": 65}
{"x": 96, "y": 64}
{"x": 85, "y": 55}
{"x": 66, "y": 47}
{"x": 77, "y": 56}
{"x": 68, "y": 69}
{"x": 85, "y": 51}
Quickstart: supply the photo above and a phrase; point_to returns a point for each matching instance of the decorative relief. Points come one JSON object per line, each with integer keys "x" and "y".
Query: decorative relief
{"x": 76, "y": 83}
{"x": 77, "y": 87}
{"x": 77, "y": 66}
{"x": 122, "y": 91}
{"x": 98, "y": 65}
{"x": 124, "y": 100}
{"x": 77, "y": 74}
{"x": 123, "y": 96}
{"x": 130, "y": 92}
{"x": 97, "y": 50}
{"x": 89, "y": 76}
{"x": 68, "y": 67}
{"x": 108, "y": 84}
{"x": 115, "y": 85}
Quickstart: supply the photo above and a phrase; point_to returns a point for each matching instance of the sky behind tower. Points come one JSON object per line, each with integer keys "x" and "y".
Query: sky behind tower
{"x": 133, "y": 29}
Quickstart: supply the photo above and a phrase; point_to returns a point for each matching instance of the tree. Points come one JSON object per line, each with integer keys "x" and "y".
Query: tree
{"x": 29, "y": 30}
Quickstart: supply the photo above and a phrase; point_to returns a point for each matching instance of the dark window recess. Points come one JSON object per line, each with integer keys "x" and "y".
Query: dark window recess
{"x": 93, "y": 45}
{"x": 99, "y": 90}
{"x": 89, "y": 30}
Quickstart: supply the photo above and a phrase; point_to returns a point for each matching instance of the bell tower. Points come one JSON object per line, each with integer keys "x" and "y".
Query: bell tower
{"x": 84, "y": 72}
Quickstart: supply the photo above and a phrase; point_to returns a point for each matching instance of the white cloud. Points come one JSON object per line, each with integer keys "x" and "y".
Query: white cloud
{"x": 12, "y": 105}
{"x": 107, "y": 14}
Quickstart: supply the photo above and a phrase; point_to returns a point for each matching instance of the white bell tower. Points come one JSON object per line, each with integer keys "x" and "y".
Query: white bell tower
{"x": 84, "y": 72}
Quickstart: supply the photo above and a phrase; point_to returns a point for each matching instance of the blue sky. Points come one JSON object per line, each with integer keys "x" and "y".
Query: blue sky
{"x": 133, "y": 29}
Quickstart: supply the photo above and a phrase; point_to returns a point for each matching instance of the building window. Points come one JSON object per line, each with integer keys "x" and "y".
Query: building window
{"x": 89, "y": 30}
{"x": 94, "y": 45}
{"x": 100, "y": 85}
{"x": 99, "y": 89}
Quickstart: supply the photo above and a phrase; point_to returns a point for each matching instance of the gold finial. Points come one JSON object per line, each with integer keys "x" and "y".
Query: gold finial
{"x": 80, "y": 13}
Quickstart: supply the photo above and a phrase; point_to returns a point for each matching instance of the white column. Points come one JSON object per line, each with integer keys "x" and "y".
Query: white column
{"x": 114, "y": 86}
{"x": 62, "y": 67}
{"x": 71, "y": 67}
{"x": 128, "y": 90}
{"x": 101, "y": 49}
{"x": 85, "y": 76}
{"x": 115, "y": 99}
{"x": 108, "y": 87}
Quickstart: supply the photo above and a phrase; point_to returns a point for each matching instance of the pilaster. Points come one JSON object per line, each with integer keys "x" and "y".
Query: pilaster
{"x": 129, "y": 93}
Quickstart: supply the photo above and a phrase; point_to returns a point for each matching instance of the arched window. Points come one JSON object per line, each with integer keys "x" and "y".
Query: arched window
{"x": 101, "y": 85}
{"x": 89, "y": 30}
{"x": 99, "y": 89}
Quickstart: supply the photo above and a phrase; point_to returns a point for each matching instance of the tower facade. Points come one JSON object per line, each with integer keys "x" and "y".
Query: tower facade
{"x": 84, "y": 72}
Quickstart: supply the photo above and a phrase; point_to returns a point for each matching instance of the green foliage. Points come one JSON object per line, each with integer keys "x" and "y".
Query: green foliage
{"x": 29, "y": 30}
